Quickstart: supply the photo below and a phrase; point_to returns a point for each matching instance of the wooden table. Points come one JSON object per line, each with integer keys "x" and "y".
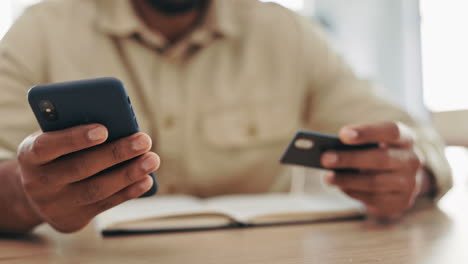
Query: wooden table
{"x": 427, "y": 235}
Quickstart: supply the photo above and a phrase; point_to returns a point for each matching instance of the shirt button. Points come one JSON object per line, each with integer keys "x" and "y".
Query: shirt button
{"x": 161, "y": 49}
{"x": 252, "y": 131}
{"x": 193, "y": 49}
{"x": 169, "y": 122}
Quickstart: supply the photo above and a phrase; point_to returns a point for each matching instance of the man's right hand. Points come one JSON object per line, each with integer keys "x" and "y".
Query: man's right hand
{"x": 65, "y": 178}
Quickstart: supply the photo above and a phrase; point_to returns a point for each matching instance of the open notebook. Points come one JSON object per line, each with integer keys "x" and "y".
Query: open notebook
{"x": 178, "y": 213}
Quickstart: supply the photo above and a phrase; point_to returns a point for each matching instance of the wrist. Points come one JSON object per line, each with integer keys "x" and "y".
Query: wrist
{"x": 20, "y": 216}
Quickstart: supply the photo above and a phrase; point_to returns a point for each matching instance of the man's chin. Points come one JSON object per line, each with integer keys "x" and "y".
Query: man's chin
{"x": 175, "y": 7}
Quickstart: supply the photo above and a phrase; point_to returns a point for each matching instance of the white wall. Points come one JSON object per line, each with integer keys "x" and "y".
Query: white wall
{"x": 9, "y": 10}
{"x": 6, "y": 16}
{"x": 381, "y": 40}
{"x": 445, "y": 42}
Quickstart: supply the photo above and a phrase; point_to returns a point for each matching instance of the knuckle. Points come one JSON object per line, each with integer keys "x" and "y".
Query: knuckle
{"x": 24, "y": 149}
{"x": 129, "y": 195}
{"x": 28, "y": 184}
{"x": 31, "y": 187}
{"x": 117, "y": 152}
{"x": 387, "y": 158}
{"x": 38, "y": 147}
{"x": 343, "y": 159}
{"x": 74, "y": 168}
{"x": 21, "y": 156}
{"x": 46, "y": 207}
{"x": 394, "y": 130}
{"x": 402, "y": 183}
{"x": 22, "y": 153}
{"x": 43, "y": 177}
{"x": 79, "y": 168}
{"x": 132, "y": 193}
{"x": 71, "y": 138}
{"x": 129, "y": 175}
{"x": 392, "y": 158}
{"x": 381, "y": 159}
{"x": 379, "y": 183}
{"x": 90, "y": 192}
{"x": 32, "y": 182}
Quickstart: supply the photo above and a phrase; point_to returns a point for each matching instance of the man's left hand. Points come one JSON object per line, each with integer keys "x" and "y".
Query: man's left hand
{"x": 388, "y": 179}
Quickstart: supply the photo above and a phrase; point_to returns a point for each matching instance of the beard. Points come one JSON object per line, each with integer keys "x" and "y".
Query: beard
{"x": 175, "y": 7}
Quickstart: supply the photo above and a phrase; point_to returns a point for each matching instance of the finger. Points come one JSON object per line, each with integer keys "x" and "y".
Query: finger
{"x": 41, "y": 148}
{"x": 133, "y": 191}
{"x": 392, "y": 133}
{"x": 381, "y": 159}
{"x": 105, "y": 185}
{"x": 81, "y": 165}
{"x": 377, "y": 183}
{"x": 382, "y": 206}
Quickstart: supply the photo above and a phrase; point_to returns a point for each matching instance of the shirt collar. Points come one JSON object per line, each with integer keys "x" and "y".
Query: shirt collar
{"x": 118, "y": 18}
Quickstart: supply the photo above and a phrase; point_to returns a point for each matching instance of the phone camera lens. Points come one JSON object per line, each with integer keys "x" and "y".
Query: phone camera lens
{"x": 48, "y": 110}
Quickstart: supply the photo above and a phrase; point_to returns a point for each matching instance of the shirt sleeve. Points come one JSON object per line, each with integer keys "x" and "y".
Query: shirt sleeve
{"x": 22, "y": 65}
{"x": 337, "y": 97}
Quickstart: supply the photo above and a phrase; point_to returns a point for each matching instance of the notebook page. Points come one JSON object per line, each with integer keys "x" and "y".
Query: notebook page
{"x": 245, "y": 208}
{"x": 149, "y": 208}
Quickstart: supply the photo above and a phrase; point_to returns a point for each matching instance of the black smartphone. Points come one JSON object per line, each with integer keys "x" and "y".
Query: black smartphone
{"x": 306, "y": 149}
{"x": 103, "y": 101}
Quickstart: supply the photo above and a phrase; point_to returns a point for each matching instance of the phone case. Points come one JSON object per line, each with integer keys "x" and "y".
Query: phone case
{"x": 306, "y": 149}
{"x": 103, "y": 101}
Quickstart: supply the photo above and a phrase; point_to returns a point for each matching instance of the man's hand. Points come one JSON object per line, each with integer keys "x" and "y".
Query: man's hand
{"x": 389, "y": 179}
{"x": 65, "y": 178}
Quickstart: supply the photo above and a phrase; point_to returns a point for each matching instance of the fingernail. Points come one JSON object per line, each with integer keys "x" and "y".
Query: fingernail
{"x": 149, "y": 164}
{"x": 140, "y": 143}
{"x": 330, "y": 158}
{"x": 330, "y": 177}
{"x": 145, "y": 184}
{"x": 97, "y": 133}
{"x": 349, "y": 133}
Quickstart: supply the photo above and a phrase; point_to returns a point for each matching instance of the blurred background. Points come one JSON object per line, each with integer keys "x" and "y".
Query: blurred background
{"x": 414, "y": 49}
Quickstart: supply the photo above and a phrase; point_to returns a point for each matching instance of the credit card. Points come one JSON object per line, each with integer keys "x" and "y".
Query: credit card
{"x": 306, "y": 148}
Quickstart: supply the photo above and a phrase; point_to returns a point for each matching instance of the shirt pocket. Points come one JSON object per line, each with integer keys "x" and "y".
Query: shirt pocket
{"x": 249, "y": 126}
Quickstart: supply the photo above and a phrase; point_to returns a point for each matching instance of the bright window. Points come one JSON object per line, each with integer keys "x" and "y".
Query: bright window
{"x": 445, "y": 54}
{"x": 296, "y": 5}
{"x": 445, "y": 67}
{"x": 6, "y": 16}
{"x": 9, "y": 10}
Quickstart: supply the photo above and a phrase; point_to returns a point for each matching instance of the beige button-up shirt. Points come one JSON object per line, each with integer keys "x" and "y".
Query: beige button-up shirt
{"x": 221, "y": 105}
